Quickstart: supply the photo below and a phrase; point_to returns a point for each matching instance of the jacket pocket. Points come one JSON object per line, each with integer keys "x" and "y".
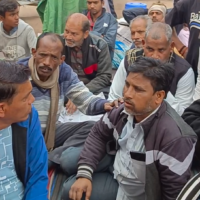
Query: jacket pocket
{"x": 139, "y": 165}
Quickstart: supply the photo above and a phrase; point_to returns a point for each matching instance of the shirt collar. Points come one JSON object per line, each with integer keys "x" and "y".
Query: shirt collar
{"x": 90, "y": 20}
{"x": 130, "y": 117}
{"x": 172, "y": 57}
{"x": 11, "y": 32}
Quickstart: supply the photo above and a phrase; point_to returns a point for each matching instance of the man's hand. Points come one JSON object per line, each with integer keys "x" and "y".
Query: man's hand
{"x": 81, "y": 185}
{"x": 109, "y": 106}
{"x": 71, "y": 108}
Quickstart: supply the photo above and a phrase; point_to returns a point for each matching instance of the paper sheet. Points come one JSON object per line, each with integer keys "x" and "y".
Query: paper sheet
{"x": 78, "y": 116}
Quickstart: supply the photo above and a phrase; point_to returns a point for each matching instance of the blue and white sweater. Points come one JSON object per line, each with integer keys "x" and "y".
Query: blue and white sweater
{"x": 71, "y": 87}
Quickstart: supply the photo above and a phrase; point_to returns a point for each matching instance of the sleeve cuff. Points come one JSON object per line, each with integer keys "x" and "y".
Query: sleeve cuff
{"x": 84, "y": 171}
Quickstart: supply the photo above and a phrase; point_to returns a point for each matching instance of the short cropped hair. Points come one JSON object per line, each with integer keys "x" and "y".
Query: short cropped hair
{"x": 7, "y": 6}
{"x": 86, "y": 26}
{"x": 157, "y": 29}
{"x": 146, "y": 18}
{"x": 54, "y": 37}
{"x": 159, "y": 73}
{"x": 11, "y": 74}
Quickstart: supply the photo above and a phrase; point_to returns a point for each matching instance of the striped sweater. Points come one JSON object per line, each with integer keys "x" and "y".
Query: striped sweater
{"x": 71, "y": 87}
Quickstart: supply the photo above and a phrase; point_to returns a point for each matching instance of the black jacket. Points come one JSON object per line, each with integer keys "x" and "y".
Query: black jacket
{"x": 187, "y": 11}
{"x": 96, "y": 62}
{"x": 192, "y": 118}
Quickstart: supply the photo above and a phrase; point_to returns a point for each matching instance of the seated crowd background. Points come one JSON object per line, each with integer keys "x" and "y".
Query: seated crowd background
{"x": 145, "y": 146}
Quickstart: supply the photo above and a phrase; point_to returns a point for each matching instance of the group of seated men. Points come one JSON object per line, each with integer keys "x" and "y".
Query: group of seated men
{"x": 140, "y": 149}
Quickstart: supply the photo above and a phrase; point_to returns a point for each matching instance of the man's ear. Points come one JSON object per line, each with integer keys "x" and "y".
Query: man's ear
{"x": 143, "y": 43}
{"x": 160, "y": 96}
{"x": 86, "y": 34}
{"x": 2, "y": 109}
{"x": 62, "y": 59}
{"x": 33, "y": 50}
{"x": 1, "y": 18}
{"x": 172, "y": 46}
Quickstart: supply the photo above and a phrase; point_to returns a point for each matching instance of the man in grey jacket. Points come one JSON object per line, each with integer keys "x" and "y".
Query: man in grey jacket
{"x": 154, "y": 146}
{"x": 102, "y": 23}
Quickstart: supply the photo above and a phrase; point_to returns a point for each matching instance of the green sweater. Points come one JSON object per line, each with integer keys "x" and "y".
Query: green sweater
{"x": 53, "y": 13}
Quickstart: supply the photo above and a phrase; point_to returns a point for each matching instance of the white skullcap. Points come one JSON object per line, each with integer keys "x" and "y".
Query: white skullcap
{"x": 160, "y": 8}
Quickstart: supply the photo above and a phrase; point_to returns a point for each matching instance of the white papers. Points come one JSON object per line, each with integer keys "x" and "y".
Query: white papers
{"x": 78, "y": 116}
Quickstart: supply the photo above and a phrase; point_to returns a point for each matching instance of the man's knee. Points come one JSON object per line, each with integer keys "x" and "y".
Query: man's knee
{"x": 69, "y": 160}
{"x": 67, "y": 186}
{"x": 104, "y": 187}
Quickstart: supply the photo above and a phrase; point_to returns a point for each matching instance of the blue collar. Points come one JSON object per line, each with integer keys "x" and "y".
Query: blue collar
{"x": 11, "y": 32}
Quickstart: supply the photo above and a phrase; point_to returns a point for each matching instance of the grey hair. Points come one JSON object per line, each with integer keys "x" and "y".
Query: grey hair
{"x": 157, "y": 29}
{"x": 146, "y": 18}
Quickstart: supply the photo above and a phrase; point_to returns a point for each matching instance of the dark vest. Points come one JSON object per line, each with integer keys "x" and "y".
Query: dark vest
{"x": 181, "y": 66}
{"x": 19, "y": 143}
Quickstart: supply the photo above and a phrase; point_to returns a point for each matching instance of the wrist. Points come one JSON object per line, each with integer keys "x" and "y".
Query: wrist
{"x": 84, "y": 171}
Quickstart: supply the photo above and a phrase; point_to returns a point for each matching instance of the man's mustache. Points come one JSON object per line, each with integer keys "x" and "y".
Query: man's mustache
{"x": 137, "y": 40}
{"x": 45, "y": 67}
{"x": 69, "y": 41}
{"x": 128, "y": 101}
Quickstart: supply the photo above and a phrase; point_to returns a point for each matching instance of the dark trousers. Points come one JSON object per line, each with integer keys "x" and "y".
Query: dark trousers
{"x": 70, "y": 134}
{"x": 104, "y": 186}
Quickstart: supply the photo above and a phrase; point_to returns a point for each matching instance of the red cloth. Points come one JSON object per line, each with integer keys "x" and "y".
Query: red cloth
{"x": 90, "y": 20}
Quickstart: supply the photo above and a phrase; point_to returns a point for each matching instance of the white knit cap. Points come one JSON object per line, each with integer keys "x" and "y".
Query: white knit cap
{"x": 160, "y": 8}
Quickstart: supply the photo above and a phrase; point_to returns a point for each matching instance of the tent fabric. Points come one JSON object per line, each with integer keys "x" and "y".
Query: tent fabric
{"x": 53, "y": 13}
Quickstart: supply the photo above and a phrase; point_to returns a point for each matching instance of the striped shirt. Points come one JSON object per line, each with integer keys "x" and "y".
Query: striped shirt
{"x": 77, "y": 64}
{"x": 191, "y": 191}
{"x": 70, "y": 86}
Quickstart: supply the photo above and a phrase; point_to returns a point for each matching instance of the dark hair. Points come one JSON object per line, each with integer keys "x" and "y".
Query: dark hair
{"x": 7, "y": 6}
{"x": 159, "y": 73}
{"x": 11, "y": 74}
{"x": 86, "y": 26}
{"x": 54, "y": 37}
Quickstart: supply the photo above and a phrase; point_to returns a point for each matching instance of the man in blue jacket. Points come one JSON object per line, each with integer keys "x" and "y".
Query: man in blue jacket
{"x": 23, "y": 155}
{"x": 53, "y": 80}
{"x": 102, "y": 24}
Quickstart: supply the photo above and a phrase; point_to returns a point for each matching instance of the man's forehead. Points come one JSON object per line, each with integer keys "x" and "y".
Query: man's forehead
{"x": 14, "y": 10}
{"x": 138, "y": 80}
{"x": 47, "y": 44}
{"x": 93, "y": 1}
{"x": 156, "y": 37}
{"x": 138, "y": 24}
{"x": 135, "y": 76}
{"x": 154, "y": 11}
{"x": 24, "y": 88}
{"x": 73, "y": 27}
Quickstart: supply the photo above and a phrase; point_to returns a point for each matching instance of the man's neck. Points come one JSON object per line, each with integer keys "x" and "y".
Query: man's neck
{"x": 4, "y": 125}
{"x": 7, "y": 29}
{"x": 140, "y": 118}
{"x": 94, "y": 17}
{"x": 43, "y": 79}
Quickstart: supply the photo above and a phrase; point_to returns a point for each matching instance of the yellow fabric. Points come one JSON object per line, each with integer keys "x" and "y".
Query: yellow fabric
{"x": 176, "y": 52}
{"x": 51, "y": 83}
